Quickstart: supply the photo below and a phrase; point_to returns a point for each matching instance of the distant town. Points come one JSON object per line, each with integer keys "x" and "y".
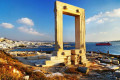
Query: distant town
{"x": 10, "y": 44}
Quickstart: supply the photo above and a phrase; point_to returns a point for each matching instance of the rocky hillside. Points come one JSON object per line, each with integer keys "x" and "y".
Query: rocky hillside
{"x": 12, "y": 69}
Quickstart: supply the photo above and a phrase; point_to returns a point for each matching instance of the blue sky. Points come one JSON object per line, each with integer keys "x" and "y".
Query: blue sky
{"x": 34, "y": 20}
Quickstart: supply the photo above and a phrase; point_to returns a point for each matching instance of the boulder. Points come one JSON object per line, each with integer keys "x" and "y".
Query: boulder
{"x": 107, "y": 60}
{"x": 114, "y": 67}
{"x": 104, "y": 64}
{"x": 54, "y": 74}
{"x": 83, "y": 69}
{"x": 117, "y": 74}
{"x": 26, "y": 77}
{"x": 38, "y": 53}
{"x": 115, "y": 62}
{"x": 37, "y": 64}
{"x": 37, "y": 71}
{"x": 97, "y": 61}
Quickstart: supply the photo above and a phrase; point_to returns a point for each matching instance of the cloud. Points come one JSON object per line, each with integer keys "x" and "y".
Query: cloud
{"x": 30, "y": 31}
{"x": 103, "y": 26}
{"x": 100, "y": 21}
{"x": 95, "y": 17}
{"x": 7, "y": 25}
{"x": 102, "y": 17}
{"x": 103, "y": 32}
{"x": 26, "y": 27}
{"x": 26, "y": 21}
{"x": 114, "y": 13}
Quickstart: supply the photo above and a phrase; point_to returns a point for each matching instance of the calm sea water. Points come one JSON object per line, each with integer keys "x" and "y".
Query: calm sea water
{"x": 90, "y": 46}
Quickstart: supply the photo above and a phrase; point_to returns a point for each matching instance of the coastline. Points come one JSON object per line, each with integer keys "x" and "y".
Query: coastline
{"x": 111, "y": 55}
{"x": 12, "y": 50}
{"x": 113, "y": 50}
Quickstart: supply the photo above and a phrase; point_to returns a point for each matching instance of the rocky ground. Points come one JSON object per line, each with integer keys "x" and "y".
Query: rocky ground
{"x": 97, "y": 70}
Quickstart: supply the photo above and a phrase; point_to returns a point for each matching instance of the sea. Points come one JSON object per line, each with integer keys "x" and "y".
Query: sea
{"x": 90, "y": 46}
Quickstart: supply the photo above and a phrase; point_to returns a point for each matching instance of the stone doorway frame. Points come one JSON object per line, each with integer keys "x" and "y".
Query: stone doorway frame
{"x": 68, "y": 57}
{"x": 79, "y": 14}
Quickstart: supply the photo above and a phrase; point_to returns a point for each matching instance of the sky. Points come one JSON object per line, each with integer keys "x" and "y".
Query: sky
{"x": 34, "y": 20}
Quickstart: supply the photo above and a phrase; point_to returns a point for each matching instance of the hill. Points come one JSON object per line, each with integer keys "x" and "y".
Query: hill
{"x": 12, "y": 69}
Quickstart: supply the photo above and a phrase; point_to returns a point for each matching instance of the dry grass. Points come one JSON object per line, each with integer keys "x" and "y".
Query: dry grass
{"x": 72, "y": 70}
{"x": 65, "y": 77}
{"x": 37, "y": 76}
{"x": 6, "y": 72}
{"x": 71, "y": 77}
{"x": 6, "y": 69}
{"x": 57, "y": 78}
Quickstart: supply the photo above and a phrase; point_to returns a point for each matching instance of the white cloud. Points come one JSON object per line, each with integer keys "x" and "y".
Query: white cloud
{"x": 7, "y": 25}
{"x": 26, "y": 26}
{"x": 100, "y": 21}
{"x": 105, "y": 26}
{"x": 114, "y": 13}
{"x": 95, "y": 17}
{"x": 103, "y": 32}
{"x": 30, "y": 31}
{"x": 26, "y": 21}
{"x": 102, "y": 17}
{"x": 105, "y": 19}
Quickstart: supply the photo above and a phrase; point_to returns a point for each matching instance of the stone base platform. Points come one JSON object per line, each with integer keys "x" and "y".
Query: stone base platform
{"x": 68, "y": 57}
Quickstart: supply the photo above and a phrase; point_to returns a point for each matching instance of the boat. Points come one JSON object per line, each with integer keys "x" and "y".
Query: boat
{"x": 103, "y": 44}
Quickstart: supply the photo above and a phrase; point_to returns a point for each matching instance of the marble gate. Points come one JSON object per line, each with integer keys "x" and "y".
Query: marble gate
{"x": 69, "y": 57}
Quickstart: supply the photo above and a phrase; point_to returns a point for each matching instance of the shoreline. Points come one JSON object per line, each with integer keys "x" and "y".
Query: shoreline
{"x": 111, "y": 55}
{"x": 115, "y": 55}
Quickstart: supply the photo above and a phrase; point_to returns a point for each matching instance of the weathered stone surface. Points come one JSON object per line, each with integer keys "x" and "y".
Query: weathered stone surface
{"x": 114, "y": 67}
{"x": 115, "y": 61}
{"x": 37, "y": 64}
{"x": 107, "y": 60}
{"x": 26, "y": 77}
{"x": 83, "y": 69}
{"x": 117, "y": 74}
